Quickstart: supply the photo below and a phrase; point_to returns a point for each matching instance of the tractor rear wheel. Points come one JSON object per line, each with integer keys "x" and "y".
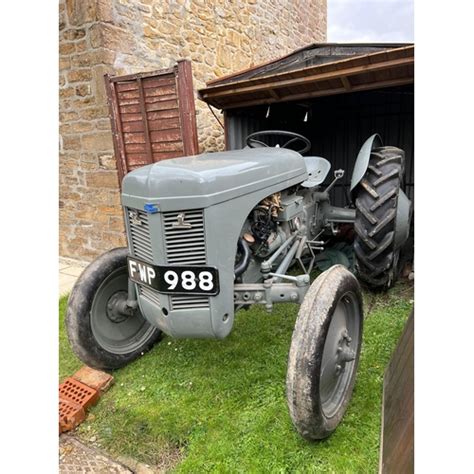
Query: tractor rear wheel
{"x": 324, "y": 353}
{"x": 379, "y": 202}
{"x": 101, "y": 334}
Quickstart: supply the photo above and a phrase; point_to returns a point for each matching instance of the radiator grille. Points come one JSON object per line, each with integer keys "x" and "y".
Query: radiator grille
{"x": 185, "y": 246}
{"x": 150, "y": 295}
{"x": 140, "y": 234}
{"x": 189, "y": 302}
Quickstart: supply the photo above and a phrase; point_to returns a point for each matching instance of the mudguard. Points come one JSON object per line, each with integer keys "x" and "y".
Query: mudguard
{"x": 362, "y": 161}
{"x": 403, "y": 219}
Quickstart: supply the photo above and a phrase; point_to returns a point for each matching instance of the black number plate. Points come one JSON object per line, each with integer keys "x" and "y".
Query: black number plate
{"x": 186, "y": 279}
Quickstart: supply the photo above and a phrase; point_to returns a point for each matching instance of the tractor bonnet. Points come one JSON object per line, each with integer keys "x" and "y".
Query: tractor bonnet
{"x": 207, "y": 179}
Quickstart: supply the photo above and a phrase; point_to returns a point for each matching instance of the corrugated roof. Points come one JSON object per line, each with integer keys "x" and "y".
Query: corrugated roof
{"x": 316, "y": 70}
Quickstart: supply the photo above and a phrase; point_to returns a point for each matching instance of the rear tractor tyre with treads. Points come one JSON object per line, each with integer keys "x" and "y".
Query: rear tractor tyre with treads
{"x": 376, "y": 201}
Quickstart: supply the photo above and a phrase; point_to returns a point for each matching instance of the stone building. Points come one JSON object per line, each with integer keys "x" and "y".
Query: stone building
{"x": 129, "y": 36}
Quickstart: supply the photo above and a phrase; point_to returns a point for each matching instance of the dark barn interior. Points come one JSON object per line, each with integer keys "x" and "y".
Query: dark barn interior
{"x": 337, "y": 126}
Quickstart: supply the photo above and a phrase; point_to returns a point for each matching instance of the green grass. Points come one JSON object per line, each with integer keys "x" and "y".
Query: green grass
{"x": 68, "y": 362}
{"x": 221, "y": 404}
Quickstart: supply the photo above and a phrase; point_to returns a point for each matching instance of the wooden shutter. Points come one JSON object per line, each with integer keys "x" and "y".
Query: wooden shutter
{"x": 152, "y": 115}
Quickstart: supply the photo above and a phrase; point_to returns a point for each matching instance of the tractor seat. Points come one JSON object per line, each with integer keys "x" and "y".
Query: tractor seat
{"x": 318, "y": 168}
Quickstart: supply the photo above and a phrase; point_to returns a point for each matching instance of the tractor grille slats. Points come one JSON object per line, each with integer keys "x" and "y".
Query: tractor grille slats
{"x": 150, "y": 295}
{"x": 186, "y": 246}
{"x": 189, "y": 302}
{"x": 141, "y": 247}
{"x": 140, "y": 234}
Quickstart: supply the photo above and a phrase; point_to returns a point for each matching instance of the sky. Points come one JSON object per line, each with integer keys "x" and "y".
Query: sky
{"x": 383, "y": 21}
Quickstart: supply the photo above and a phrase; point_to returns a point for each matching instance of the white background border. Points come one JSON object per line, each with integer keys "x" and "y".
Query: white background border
{"x": 444, "y": 232}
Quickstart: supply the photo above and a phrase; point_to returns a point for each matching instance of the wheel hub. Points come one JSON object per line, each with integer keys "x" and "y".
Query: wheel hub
{"x": 340, "y": 350}
{"x": 344, "y": 352}
{"x": 116, "y": 307}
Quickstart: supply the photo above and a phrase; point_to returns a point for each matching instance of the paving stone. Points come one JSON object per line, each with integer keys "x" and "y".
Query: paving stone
{"x": 72, "y": 271}
{"x": 69, "y": 271}
{"x": 75, "y": 456}
{"x": 66, "y": 282}
{"x": 71, "y": 262}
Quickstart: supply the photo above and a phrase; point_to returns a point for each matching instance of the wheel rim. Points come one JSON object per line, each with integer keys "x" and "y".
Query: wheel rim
{"x": 115, "y": 333}
{"x": 339, "y": 354}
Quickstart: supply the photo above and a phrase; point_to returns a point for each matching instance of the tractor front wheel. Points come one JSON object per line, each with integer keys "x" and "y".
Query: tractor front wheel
{"x": 101, "y": 333}
{"x": 324, "y": 353}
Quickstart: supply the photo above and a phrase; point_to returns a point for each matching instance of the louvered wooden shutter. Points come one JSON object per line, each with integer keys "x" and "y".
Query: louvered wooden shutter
{"x": 152, "y": 115}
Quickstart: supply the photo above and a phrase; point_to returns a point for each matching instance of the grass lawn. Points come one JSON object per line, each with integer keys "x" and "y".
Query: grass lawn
{"x": 220, "y": 406}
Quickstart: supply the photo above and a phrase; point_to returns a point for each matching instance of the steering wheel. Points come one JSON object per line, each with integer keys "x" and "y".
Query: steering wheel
{"x": 253, "y": 141}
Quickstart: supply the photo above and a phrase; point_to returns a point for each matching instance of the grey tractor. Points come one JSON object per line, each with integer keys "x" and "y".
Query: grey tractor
{"x": 211, "y": 234}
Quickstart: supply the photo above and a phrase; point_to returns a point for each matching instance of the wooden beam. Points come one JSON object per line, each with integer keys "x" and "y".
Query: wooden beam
{"x": 310, "y": 95}
{"x": 187, "y": 111}
{"x": 274, "y": 93}
{"x": 346, "y": 83}
{"x": 352, "y": 71}
{"x": 141, "y": 75}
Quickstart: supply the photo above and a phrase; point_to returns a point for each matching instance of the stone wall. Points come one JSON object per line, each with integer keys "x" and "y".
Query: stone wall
{"x": 128, "y": 36}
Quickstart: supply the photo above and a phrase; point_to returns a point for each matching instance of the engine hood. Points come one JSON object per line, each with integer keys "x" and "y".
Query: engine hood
{"x": 204, "y": 180}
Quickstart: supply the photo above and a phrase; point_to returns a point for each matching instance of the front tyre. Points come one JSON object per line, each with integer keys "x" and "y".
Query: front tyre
{"x": 324, "y": 353}
{"x": 100, "y": 334}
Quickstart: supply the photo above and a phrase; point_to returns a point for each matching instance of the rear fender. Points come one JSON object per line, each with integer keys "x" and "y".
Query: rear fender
{"x": 362, "y": 161}
{"x": 403, "y": 219}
